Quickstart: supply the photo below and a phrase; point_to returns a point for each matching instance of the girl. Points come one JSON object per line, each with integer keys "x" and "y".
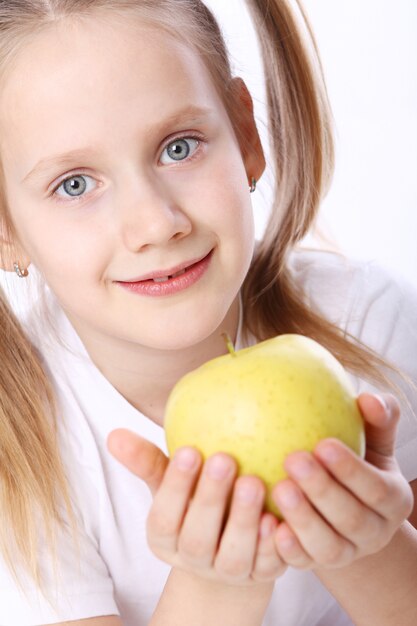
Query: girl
{"x": 128, "y": 152}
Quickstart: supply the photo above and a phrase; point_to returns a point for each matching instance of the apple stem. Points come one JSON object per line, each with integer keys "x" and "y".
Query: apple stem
{"x": 229, "y": 343}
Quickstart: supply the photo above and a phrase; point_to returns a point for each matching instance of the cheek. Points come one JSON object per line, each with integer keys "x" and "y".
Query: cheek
{"x": 220, "y": 196}
{"x": 66, "y": 252}
{"x": 232, "y": 207}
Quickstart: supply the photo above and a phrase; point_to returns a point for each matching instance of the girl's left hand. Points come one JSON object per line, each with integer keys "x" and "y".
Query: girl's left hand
{"x": 337, "y": 506}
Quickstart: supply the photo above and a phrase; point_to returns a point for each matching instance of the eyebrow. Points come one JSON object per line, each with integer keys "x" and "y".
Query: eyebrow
{"x": 189, "y": 113}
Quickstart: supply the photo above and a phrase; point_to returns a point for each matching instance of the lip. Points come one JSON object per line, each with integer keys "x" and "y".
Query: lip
{"x": 163, "y": 273}
{"x": 173, "y": 285}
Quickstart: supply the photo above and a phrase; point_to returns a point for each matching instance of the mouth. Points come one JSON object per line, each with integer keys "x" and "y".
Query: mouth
{"x": 163, "y": 276}
{"x": 173, "y": 283}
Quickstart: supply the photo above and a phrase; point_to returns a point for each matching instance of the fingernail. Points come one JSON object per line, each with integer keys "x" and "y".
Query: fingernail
{"x": 185, "y": 459}
{"x": 330, "y": 454}
{"x": 383, "y": 403}
{"x": 247, "y": 494}
{"x": 286, "y": 540}
{"x": 218, "y": 467}
{"x": 301, "y": 467}
{"x": 288, "y": 497}
{"x": 266, "y": 527}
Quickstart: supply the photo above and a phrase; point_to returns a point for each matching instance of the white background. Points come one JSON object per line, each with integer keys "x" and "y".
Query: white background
{"x": 369, "y": 53}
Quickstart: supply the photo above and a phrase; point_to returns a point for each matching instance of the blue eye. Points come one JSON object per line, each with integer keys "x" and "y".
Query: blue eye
{"x": 180, "y": 149}
{"x": 74, "y": 186}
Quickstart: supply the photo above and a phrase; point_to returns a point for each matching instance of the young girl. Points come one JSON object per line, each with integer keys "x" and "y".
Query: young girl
{"x": 128, "y": 152}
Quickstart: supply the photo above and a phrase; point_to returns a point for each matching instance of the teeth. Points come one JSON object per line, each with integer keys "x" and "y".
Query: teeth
{"x": 165, "y": 278}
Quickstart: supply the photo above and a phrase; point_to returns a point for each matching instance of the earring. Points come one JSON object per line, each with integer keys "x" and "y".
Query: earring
{"x": 253, "y": 185}
{"x": 21, "y": 273}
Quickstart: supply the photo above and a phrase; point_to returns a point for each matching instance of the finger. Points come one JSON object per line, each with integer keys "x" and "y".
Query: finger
{"x": 381, "y": 414}
{"x": 140, "y": 456}
{"x": 290, "y": 549}
{"x": 236, "y": 554}
{"x": 202, "y": 526}
{"x": 378, "y": 490}
{"x": 319, "y": 540}
{"x": 171, "y": 501}
{"x": 268, "y": 565}
{"x": 336, "y": 504}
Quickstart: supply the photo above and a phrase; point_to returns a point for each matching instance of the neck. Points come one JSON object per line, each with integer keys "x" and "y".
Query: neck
{"x": 144, "y": 376}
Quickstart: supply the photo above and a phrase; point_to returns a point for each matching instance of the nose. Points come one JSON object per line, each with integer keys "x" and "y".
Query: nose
{"x": 149, "y": 214}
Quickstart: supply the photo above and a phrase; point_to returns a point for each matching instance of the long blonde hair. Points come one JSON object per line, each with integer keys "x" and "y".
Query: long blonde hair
{"x": 32, "y": 476}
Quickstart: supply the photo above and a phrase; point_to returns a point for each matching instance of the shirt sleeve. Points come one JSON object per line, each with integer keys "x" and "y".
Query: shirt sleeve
{"x": 80, "y": 588}
{"x": 384, "y": 317}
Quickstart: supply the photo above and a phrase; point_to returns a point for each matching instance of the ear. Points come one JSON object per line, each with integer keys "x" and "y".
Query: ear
{"x": 246, "y": 130}
{"x": 10, "y": 250}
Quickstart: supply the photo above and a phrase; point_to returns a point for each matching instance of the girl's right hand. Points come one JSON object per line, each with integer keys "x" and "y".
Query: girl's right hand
{"x": 202, "y": 519}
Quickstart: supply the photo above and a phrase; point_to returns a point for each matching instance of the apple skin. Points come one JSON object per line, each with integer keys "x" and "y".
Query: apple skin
{"x": 263, "y": 402}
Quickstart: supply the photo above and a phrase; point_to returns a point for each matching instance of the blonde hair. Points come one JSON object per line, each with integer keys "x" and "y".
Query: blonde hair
{"x": 32, "y": 476}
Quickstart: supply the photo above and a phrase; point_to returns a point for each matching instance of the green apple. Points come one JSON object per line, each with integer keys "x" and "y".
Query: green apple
{"x": 260, "y": 403}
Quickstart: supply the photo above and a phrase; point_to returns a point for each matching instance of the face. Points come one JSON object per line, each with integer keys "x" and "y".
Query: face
{"x": 162, "y": 183}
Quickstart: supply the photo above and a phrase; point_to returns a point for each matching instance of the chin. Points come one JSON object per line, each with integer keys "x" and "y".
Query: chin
{"x": 178, "y": 341}
{"x": 184, "y": 335}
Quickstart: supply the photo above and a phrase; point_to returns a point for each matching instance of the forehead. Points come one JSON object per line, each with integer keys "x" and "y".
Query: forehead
{"x": 78, "y": 80}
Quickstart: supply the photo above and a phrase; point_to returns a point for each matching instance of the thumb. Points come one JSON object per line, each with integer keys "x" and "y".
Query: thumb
{"x": 381, "y": 414}
{"x": 141, "y": 457}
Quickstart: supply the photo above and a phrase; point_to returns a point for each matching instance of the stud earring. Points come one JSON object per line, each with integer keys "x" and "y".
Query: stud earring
{"x": 21, "y": 273}
{"x": 253, "y": 185}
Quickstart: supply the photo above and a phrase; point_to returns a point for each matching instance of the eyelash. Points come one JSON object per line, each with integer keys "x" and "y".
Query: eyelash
{"x": 195, "y": 136}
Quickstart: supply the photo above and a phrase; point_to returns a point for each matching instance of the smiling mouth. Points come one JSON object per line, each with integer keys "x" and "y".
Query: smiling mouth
{"x": 164, "y": 279}
{"x": 170, "y": 285}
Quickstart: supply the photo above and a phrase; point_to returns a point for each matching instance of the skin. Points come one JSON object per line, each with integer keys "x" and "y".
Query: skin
{"x": 144, "y": 215}
{"x": 362, "y": 504}
{"x": 141, "y": 211}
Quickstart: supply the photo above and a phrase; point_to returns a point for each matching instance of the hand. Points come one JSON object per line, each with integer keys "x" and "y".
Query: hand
{"x": 202, "y": 519}
{"x": 337, "y": 506}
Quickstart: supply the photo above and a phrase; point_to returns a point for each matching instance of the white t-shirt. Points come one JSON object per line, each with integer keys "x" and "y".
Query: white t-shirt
{"x": 118, "y": 573}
